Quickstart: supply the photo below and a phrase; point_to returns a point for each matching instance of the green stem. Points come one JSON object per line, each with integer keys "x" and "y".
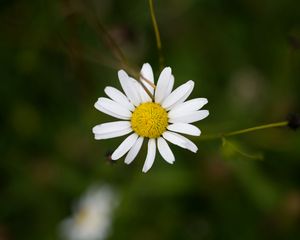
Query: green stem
{"x": 157, "y": 35}
{"x": 271, "y": 125}
{"x": 246, "y": 130}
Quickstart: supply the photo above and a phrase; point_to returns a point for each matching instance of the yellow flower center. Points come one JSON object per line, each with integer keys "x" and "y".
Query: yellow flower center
{"x": 149, "y": 120}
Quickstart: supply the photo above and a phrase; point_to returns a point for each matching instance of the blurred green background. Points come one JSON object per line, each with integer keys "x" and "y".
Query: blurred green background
{"x": 244, "y": 56}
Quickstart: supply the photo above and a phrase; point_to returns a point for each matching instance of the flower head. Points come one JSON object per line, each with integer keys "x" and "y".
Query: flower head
{"x": 159, "y": 119}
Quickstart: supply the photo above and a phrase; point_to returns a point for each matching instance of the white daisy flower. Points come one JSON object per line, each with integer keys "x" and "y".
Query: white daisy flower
{"x": 160, "y": 119}
{"x": 92, "y": 215}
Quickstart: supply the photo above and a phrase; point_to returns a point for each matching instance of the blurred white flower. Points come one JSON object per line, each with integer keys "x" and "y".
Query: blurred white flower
{"x": 92, "y": 215}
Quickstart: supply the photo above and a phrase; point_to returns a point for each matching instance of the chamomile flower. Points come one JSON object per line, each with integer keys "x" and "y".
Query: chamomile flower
{"x": 165, "y": 117}
{"x": 92, "y": 216}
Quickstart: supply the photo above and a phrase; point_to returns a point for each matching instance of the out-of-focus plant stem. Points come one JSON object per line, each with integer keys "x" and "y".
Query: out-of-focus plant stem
{"x": 122, "y": 59}
{"x": 157, "y": 35}
{"x": 243, "y": 131}
{"x": 117, "y": 51}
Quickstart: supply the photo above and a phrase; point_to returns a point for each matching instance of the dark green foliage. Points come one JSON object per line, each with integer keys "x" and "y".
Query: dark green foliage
{"x": 244, "y": 57}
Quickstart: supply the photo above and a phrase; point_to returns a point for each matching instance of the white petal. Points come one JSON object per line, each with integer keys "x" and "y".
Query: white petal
{"x": 188, "y": 106}
{"x": 113, "y": 134}
{"x": 111, "y": 127}
{"x": 165, "y": 150}
{"x": 136, "y": 86}
{"x": 112, "y": 106}
{"x": 124, "y": 146}
{"x": 128, "y": 85}
{"x": 190, "y": 117}
{"x": 178, "y": 95}
{"x": 134, "y": 150}
{"x": 147, "y": 73}
{"x": 170, "y": 86}
{"x": 162, "y": 84}
{"x": 180, "y": 141}
{"x": 150, "y": 155}
{"x": 143, "y": 94}
{"x": 118, "y": 97}
{"x": 185, "y": 128}
{"x": 181, "y": 100}
{"x": 108, "y": 112}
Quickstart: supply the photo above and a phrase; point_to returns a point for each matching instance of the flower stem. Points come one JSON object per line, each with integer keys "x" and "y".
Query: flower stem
{"x": 246, "y": 130}
{"x": 270, "y": 125}
{"x": 157, "y": 35}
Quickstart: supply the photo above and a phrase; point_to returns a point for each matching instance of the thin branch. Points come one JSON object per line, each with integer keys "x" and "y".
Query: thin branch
{"x": 148, "y": 81}
{"x": 271, "y": 125}
{"x": 157, "y": 35}
{"x": 242, "y": 131}
{"x": 117, "y": 51}
{"x": 137, "y": 76}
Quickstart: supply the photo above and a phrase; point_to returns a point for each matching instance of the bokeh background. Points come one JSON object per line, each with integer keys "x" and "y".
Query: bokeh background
{"x": 244, "y": 56}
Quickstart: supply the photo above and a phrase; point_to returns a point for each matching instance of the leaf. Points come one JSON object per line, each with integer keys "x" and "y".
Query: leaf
{"x": 230, "y": 148}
